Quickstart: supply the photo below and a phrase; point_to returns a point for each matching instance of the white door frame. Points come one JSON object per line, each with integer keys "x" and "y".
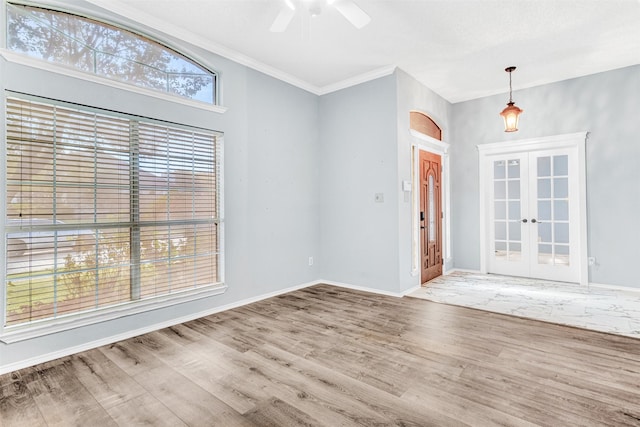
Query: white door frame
{"x": 424, "y": 142}
{"x": 573, "y": 140}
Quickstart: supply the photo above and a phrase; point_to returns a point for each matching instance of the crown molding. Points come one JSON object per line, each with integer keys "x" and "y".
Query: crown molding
{"x": 356, "y": 80}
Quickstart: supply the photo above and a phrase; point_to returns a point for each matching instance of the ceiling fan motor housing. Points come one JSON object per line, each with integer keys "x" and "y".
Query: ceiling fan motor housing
{"x": 347, "y": 8}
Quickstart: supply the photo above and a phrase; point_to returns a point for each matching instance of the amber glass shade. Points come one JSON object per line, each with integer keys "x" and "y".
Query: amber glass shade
{"x": 511, "y": 114}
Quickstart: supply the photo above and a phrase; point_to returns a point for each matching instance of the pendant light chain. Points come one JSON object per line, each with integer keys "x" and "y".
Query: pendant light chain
{"x": 510, "y": 90}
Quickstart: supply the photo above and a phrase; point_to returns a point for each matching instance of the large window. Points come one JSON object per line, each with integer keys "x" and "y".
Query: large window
{"x": 105, "y": 209}
{"x": 102, "y": 49}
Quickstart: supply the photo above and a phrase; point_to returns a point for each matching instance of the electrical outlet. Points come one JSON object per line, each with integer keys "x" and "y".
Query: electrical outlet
{"x": 310, "y": 260}
{"x": 379, "y": 198}
{"x": 591, "y": 260}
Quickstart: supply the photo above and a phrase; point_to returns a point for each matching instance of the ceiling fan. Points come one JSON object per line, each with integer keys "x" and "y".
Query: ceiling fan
{"x": 351, "y": 11}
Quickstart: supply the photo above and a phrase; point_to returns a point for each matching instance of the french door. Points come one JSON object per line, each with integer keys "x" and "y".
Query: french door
{"x": 535, "y": 217}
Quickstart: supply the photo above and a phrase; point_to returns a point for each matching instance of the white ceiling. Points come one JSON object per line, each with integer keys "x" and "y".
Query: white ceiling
{"x": 458, "y": 48}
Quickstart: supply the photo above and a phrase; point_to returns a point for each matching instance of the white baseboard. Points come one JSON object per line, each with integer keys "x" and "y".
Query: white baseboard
{"x": 614, "y": 287}
{"x": 461, "y": 270}
{"x": 366, "y": 289}
{"x": 411, "y": 289}
{"x": 144, "y": 330}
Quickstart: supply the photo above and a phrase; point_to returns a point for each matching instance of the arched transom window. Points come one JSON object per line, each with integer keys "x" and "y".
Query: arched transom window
{"x": 102, "y": 49}
{"x": 425, "y": 125}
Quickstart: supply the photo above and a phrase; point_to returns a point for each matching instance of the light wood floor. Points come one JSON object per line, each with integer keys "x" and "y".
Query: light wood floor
{"x": 335, "y": 357}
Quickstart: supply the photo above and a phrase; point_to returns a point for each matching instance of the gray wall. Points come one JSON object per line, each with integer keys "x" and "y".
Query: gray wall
{"x": 606, "y": 105}
{"x": 271, "y": 186}
{"x": 358, "y": 158}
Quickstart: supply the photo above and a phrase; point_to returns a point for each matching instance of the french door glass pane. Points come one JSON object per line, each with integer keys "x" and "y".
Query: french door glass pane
{"x": 501, "y": 210}
{"x": 544, "y": 232}
{"x": 514, "y": 231}
{"x": 545, "y": 254}
{"x": 544, "y": 210}
{"x": 544, "y": 188}
{"x": 561, "y": 165}
{"x": 561, "y": 210}
{"x": 499, "y": 190}
{"x": 514, "y": 190}
{"x": 561, "y": 188}
{"x": 499, "y": 170}
{"x": 514, "y": 169}
{"x": 515, "y": 252}
{"x": 544, "y": 166}
{"x": 501, "y": 230}
{"x": 514, "y": 210}
{"x": 561, "y": 232}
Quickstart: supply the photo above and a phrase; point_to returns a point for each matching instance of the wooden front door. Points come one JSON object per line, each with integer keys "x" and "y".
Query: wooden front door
{"x": 430, "y": 216}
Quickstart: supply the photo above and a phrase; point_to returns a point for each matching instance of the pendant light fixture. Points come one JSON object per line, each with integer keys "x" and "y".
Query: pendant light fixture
{"x": 511, "y": 113}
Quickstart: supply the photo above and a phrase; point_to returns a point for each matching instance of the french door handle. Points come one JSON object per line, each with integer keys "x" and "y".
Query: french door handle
{"x": 533, "y": 220}
{"x": 524, "y": 220}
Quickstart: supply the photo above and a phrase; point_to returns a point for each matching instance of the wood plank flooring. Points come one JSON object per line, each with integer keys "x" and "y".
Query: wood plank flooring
{"x": 325, "y": 356}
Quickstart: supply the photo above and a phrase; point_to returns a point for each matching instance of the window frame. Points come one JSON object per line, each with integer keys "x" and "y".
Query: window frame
{"x": 37, "y": 328}
{"x": 22, "y": 59}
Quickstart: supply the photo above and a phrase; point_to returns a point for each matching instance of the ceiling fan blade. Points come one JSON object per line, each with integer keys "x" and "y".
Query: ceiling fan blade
{"x": 352, "y": 12}
{"x": 282, "y": 21}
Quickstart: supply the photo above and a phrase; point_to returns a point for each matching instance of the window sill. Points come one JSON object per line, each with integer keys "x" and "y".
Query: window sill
{"x": 73, "y": 321}
{"x": 20, "y": 59}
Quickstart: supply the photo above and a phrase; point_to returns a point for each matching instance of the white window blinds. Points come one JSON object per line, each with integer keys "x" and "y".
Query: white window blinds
{"x": 104, "y": 209}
